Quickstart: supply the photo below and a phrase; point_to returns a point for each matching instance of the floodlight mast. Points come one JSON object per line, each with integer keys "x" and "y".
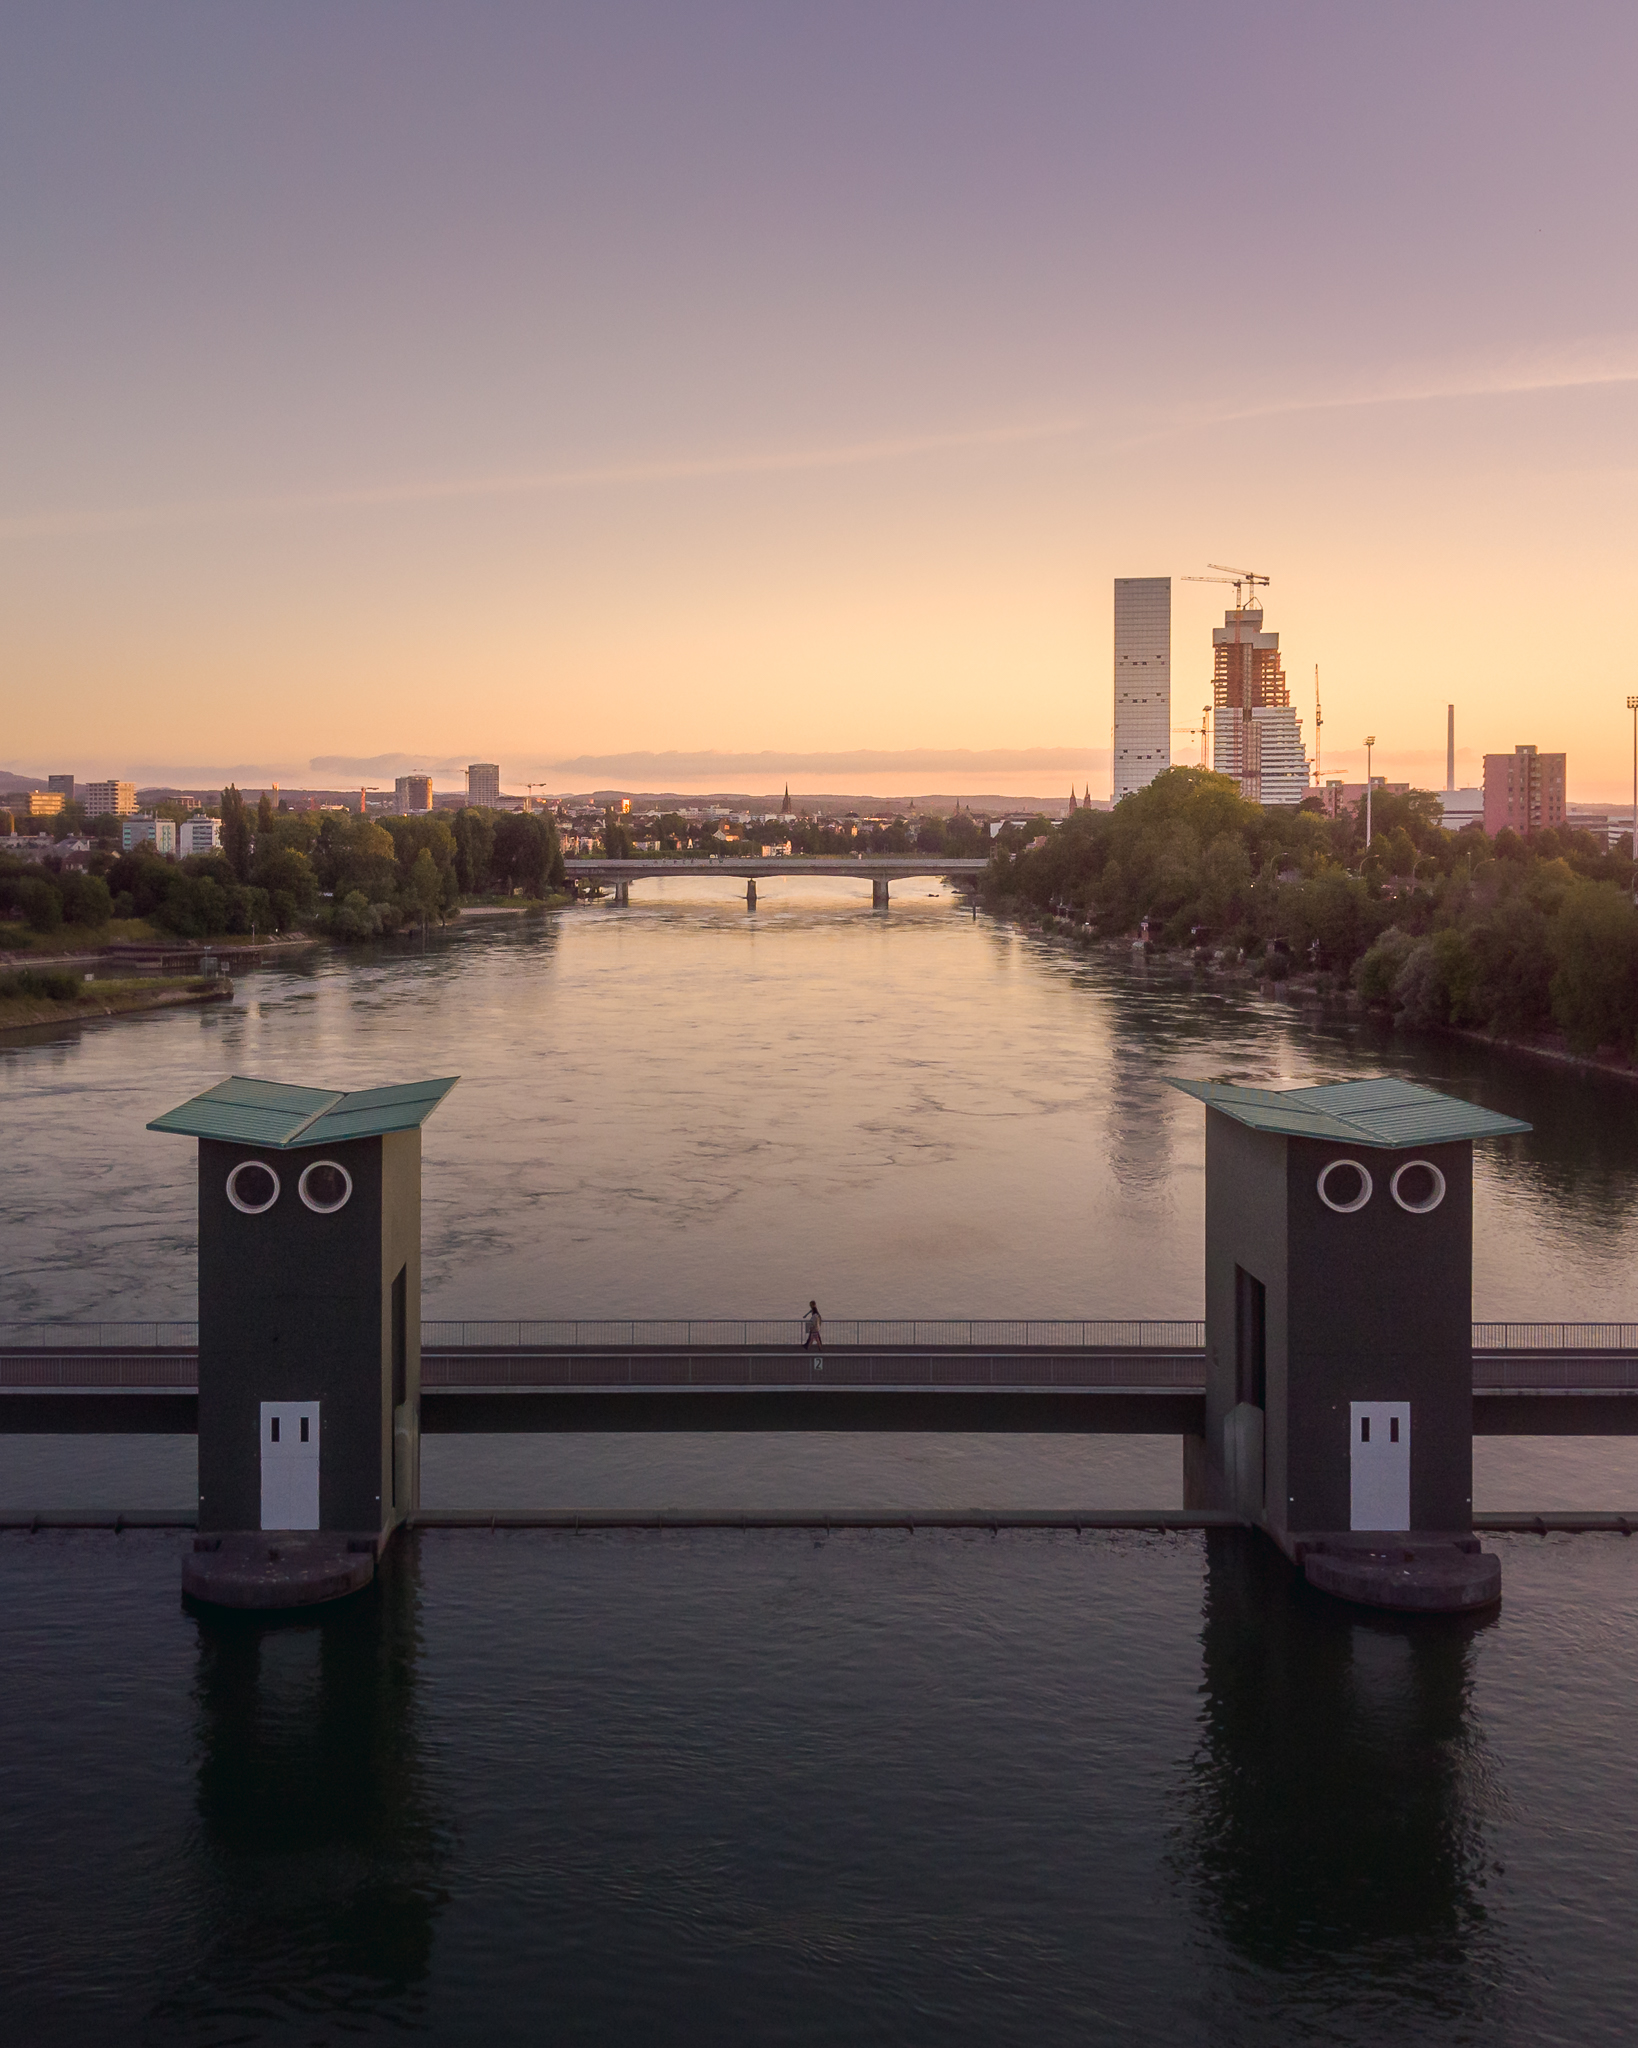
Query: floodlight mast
{"x": 1370, "y": 741}
{"x": 1632, "y": 706}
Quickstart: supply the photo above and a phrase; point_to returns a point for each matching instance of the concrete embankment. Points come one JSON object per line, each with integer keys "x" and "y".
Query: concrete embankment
{"x": 28, "y": 1012}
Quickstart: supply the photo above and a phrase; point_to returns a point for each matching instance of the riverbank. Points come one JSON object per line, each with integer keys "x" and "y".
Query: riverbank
{"x": 1320, "y": 989}
{"x": 25, "y": 1011}
{"x": 133, "y": 942}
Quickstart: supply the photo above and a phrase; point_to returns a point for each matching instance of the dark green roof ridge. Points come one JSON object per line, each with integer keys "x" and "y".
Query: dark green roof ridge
{"x": 282, "y": 1117}
{"x": 1388, "y": 1114}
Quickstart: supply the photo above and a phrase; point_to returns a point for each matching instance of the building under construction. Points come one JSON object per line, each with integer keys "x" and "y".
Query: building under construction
{"x": 1257, "y": 737}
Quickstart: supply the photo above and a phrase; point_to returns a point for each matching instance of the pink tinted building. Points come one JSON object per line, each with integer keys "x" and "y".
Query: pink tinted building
{"x": 1524, "y": 791}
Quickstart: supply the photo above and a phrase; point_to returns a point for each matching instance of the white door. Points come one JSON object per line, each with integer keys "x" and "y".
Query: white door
{"x": 1380, "y": 1464}
{"x": 290, "y": 1464}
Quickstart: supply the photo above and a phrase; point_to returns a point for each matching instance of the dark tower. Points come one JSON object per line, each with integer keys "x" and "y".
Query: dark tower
{"x": 1339, "y": 1333}
{"x": 309, "y": 1333}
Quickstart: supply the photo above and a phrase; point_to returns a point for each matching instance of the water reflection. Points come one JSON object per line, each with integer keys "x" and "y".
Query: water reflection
{"x": 321, "y": 1853}
{"x": 1340, "y": 1802}
{"x": 680, "y": 1109}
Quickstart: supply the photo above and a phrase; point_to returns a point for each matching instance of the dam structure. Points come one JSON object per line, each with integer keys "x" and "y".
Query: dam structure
{"x": 1329, "y": 1397}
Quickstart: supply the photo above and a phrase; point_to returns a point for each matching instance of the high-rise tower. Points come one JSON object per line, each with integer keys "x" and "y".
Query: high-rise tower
{"x": 1257, "y": 737}
{"x": 1143, "y": 682}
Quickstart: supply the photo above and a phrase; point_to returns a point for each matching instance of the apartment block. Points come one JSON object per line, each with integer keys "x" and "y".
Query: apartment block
{"x": 159, "y": 833}
{"x": 483, "y": 784}
{"x": 198, "y": 835}
{"x": 1524, "y": 791}
{"x": 110, "y": 799}
{"x": 1275, "y": 757}
{"x": 412, "y": 793}
{"x": 61, "y": 785}
{"x": 44, "y": 803}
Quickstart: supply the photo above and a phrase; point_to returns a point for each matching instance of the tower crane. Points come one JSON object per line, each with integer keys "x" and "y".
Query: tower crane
{"x": 1242, "y": 579}
{"x": 1319, "y": 720}
{"x": 1201, "y": 730}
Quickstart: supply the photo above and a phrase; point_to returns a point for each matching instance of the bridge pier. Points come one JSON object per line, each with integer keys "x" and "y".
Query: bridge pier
{"x": 622, "y": 893}
{"x": 750, "y": 892}
{"x": 878, "y": 892}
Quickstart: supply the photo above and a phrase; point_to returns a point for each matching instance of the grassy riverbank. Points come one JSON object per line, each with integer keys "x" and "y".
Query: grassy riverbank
{"x": 35, "y": 997}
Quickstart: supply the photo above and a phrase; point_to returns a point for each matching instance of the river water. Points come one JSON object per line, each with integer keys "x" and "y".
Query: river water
{"x": 900, "y": 1788}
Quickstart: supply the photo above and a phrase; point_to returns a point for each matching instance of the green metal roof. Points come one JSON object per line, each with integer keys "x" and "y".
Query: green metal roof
{"x": 1389, "y": 1114}
{"x": 286, "y": 1118}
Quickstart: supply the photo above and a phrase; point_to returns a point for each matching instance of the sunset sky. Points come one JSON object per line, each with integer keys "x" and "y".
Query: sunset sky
{"x": 408, "y": 384}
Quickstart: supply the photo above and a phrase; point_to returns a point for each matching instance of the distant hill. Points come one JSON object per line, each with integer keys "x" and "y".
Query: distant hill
{"x": 18, "y": 785}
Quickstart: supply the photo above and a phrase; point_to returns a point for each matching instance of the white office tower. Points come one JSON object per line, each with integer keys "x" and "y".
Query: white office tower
{"x": 1280, "y": 769}
{"x": 1143, "y": 682}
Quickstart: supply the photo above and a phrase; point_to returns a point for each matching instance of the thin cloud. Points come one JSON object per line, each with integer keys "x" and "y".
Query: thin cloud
{"x": 1514, "y": 381}
{"x": 592, "y": 476}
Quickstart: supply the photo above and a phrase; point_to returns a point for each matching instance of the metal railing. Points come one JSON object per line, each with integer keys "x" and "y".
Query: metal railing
{"x": 775, "y": 1333}
{"x": 520, "y": 1371}
{"x": 174, "y": 1336}
{"x": 1555, "y": 1336}
{"x": 861, "y": 1333}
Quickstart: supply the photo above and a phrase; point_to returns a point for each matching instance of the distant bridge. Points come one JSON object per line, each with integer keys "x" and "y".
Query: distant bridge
{"x": 882, "y": 868}
{"x": 1145, "y": 1379}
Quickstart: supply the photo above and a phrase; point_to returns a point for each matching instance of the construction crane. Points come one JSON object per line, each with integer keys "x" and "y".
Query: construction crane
{"x": 1203, "y": 728}
{"x": 1245, "y": 580}
{"x": 531, "y": 800}
{"x": 1319, "y": 720}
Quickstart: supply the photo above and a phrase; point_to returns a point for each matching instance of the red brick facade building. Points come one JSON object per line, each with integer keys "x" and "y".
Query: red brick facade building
{"x": 1524, "y": 791}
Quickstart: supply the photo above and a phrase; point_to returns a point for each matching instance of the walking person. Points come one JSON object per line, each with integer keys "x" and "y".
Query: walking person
{"x": 813, "y": 1329}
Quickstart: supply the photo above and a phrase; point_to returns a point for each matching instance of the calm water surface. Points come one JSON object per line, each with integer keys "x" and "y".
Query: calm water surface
{"x": 930, "y": 1788}
{"x": 679, "y": 1109}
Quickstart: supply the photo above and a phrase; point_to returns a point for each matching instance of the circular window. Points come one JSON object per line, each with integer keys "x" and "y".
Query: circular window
{"x": 325, "y": 1186}
{"x": 1345, "y": 1186}
{"x": 252, "y": 1186}
{"x": 1418, "y": 1186}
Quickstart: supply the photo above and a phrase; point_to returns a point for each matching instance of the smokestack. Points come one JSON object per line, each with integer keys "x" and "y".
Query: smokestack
{"x": 1450, "y": 746}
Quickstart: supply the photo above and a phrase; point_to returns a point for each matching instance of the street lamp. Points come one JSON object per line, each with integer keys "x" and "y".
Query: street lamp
{"x": 1370, "y": 741}
{"x": 1632, "y": 706}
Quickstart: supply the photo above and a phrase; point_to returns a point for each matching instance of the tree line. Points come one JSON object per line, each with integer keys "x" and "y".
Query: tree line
{"x": 279, "y": 870}
{"x": 1517, "y": 936}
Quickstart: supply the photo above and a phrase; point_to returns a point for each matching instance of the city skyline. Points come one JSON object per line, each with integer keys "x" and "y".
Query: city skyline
{"x": 548, "y": 389}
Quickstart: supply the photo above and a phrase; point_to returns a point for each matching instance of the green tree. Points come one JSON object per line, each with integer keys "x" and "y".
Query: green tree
{"x": 288, "y": 874}
{"x": 474, "y": 836}
{"x": 617, "y": 841}
{"x": 40, "y": 902}
{"x": 1594, "y": 989}
{"x": 426, "y": 888}
{"x": 527, "y": 854}
{"x": 355, "y": 853}
{"x": 86, "y": 899}
{"x": 236, "y": 833}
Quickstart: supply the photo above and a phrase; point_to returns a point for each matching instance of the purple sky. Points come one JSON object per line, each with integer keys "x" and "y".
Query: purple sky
{"x": 525, "y": 383}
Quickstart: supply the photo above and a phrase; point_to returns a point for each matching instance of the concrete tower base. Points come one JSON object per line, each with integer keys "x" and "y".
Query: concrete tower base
{"x": 278, "y": 1568}
{"x": 1407, "y": 1573}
